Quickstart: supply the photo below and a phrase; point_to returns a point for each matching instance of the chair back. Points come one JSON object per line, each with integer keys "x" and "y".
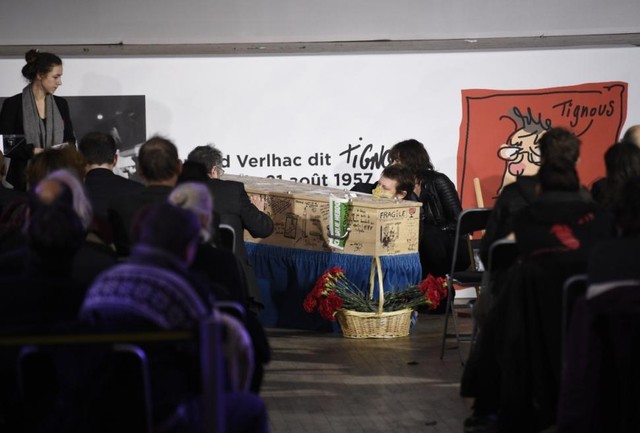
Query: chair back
{"x": 469, "y": 221}
{"x": 600, "y": 374}
{"x": 103, "y": 381}
{"x": 502, "y": 254}
{"x": 618, "y": 325}
{"x": 227, "y": 237}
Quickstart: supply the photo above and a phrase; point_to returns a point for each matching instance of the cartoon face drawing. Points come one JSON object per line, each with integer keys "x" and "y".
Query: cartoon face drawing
{"x": 501, "y": 133}
{"x": 521, "y": 154}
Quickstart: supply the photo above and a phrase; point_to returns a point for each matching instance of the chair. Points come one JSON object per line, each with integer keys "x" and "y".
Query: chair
{"x": 56, "y": 374}
{"x": 503, "y": 253}
{"x": 600, "y": 375}
{"x": 469, "y": 221}
{"x": 227, "y": 237}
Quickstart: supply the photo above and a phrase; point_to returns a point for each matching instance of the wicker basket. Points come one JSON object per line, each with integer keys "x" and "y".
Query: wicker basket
{"x": 355, "y": 324}
{"x": 391, "y": 324}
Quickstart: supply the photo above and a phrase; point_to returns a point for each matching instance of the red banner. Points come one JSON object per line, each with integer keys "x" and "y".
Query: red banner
{"x": 500, "y": 131}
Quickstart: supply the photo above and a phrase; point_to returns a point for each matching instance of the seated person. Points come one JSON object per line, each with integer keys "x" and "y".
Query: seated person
{"x": 622, "y": 162}
{"x": 226, "y": 277}
{"x": 69, "y": 160}
{"x": 598, "y": 392}
{"x": 234, "y": 207}
{"x": 440, "y": 209}
{"x": 232, "y": 202}
{"x": 561, "y": 219}
{"x": 555, "y": 144}
{"x": 100, "y": 152}
{"x": 627, "y": 210}
{"x": 395, "y": 182}
{"x": 155, "y": 289}
{"x": 39, "y": 296}
{"x": 39, "y": 290}
{"x": 193, "y": 171}
{"x": 555, "y": 235}
{"x": 159, "y": 167}
{"x": 52, "y": 159}
{"x": 94, "y": 256}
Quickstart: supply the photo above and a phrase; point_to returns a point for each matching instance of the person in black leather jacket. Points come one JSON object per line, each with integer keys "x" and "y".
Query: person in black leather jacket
{"x": 440, "y": 207}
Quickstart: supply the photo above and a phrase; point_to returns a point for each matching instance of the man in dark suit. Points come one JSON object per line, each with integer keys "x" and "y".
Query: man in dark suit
{"x": 159, "y": 167}
{"x": 102, "y": 184}
{"x": 233, "y": 206}
{"x": 231, "y": 202}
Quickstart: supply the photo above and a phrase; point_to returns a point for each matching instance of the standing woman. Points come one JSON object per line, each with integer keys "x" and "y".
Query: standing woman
{"x": 42, "y": 118}
{"x": 440, "y": 208}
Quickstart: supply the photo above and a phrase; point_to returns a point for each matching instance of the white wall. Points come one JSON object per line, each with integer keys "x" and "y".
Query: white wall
{"x": 55, "y": 22}
{"x": 300, "y": 105}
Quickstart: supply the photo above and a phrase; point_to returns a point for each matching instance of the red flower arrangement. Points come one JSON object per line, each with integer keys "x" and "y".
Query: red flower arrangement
{"x": 333, "y": 291}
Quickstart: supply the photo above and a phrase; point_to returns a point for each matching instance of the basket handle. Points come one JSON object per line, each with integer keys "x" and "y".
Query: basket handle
{"x": 376, "y": 267}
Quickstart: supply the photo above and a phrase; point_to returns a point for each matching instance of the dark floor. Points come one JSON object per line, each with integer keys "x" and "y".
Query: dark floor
{"x": 323, "y": 382}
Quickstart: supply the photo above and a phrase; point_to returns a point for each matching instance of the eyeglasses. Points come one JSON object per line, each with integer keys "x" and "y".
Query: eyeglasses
{"x": 516, "y": 153}
{"x": 220, "y": 170}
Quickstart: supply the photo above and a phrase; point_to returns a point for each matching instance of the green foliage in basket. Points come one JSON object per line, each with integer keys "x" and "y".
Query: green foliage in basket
{"x": 333, "y": 291}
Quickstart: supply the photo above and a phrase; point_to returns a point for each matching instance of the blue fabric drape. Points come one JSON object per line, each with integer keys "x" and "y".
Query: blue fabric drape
{"x": 289, "y": 274}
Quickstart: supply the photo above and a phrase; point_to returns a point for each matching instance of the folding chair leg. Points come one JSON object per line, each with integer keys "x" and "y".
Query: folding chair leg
{"x": 450, "y": 310}
{"x": 447, "y": 311}
{"x": 457, "y": 332}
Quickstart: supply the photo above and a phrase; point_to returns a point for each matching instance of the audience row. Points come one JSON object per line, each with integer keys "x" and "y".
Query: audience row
{"x": 515, "y": 372}
{"x": 95, "y": 250}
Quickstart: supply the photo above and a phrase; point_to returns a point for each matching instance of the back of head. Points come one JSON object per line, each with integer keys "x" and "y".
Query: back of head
{"x": 627, "y": 209}
{"x": 55, "y": 233}
{"x": 98, "y": 148}
{"x": 51, "y": 160}
{"x": 208, "y": 155}
{"x": 193, "y": 171}
{"x": 412, "y": 154}
{"x": 169, "y": 228}
{"x": 158, "y": 159}
{"x": 558, "y": 175}
{"x": 559, "y": 143}
{"x": 632, "y": 135}
{"x": 39, "y": 64}
{"x": 622, "y": 161}
{"x": 193, "y": 196}
{"x": 81, "y": 204}
{"x": 50, "y": 192}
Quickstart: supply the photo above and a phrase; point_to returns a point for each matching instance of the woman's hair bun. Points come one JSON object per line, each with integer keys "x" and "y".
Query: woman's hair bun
{"x": 31, "y": 56}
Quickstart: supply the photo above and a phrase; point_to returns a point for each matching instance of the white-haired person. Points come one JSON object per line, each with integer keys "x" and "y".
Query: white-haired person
{"x": 222, "y": 270}
{"x": 93, "y": 256}
{"x": 164, "y": 247}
